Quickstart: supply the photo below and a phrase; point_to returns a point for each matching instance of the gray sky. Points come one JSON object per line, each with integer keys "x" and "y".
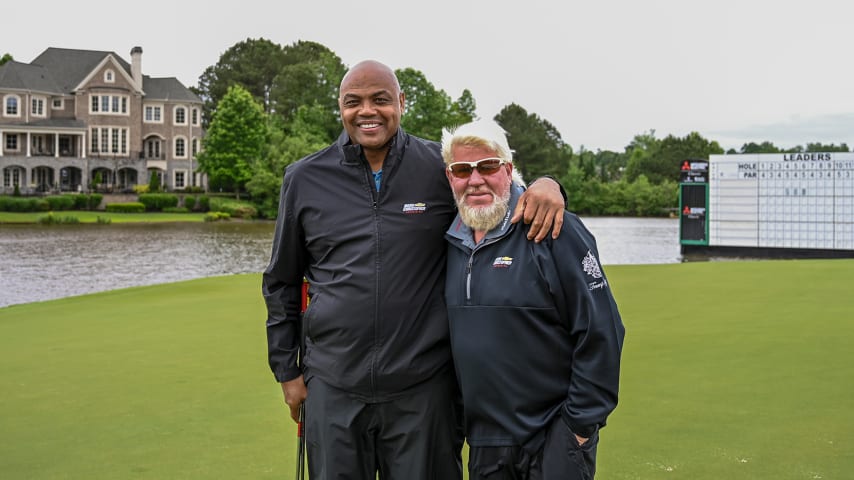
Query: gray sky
{"x": 602, "y": 72}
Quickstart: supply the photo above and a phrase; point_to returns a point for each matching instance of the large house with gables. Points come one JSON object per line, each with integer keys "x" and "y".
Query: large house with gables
{"x": 71, "y": 118}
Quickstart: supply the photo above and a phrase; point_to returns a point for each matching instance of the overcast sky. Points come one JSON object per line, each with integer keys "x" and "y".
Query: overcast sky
{"x": 602, "y": 72}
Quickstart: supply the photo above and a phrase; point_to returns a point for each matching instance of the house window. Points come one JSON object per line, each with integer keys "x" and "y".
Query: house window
{"x": 180, "y": 148}
{"x": 11, "y": 109}
{"x": 195, "y": 116}
{"x": 12, "y": 176}
{"x": 58, "y": 104}
{"x": 110, "y": 140}
{"x": 195, "y": 147}
{"x": 105, "y": 140}
{"x": 180, "y": 176}
{"x": 38, "y": 107}
{"x": 109, "y": 104}
{"x": 12, "y": 141}
{"x": 152, "y": 148}
{"x": 115, "y": 139}
{"x": 180, "y": 116}
{"x": 94, "y": 144}
{"x": 109, "y": 76}
{"x": 153, "y": 114}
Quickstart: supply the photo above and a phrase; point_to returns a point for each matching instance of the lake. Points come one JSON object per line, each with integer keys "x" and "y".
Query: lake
{"x": 40, "y": 262}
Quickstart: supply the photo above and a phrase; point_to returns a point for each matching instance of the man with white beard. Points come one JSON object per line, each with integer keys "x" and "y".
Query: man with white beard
{"x": 535, "y": 332}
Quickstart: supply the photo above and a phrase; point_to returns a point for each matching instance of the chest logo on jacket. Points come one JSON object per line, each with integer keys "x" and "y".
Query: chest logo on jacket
{"x": 410, "y": 208}
{"x": 502, "y": 262}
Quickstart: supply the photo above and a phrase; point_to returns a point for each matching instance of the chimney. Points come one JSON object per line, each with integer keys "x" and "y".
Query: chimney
{"x": 136, "y": 66}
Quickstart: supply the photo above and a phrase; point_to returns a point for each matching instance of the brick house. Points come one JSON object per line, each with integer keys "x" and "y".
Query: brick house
{"x": 73, "y": 116}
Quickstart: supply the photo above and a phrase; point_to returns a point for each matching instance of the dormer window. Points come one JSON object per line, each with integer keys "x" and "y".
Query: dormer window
{"x": 110, "y": 76}
{"x": 10, "y": 105}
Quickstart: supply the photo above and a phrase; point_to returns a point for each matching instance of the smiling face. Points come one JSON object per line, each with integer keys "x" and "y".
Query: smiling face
{"x": 371, "y": 105}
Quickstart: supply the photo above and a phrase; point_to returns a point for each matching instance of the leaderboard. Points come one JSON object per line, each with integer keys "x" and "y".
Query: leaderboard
{"x": 786, "y": 200}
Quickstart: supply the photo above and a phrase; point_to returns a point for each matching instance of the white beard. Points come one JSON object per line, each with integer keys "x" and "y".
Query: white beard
{"x": 487, "y": 217}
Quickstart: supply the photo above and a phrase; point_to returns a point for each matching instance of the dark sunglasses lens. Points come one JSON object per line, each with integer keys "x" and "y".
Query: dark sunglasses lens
{"x": 488, "y": 167}
{"x": 461, "y": 170}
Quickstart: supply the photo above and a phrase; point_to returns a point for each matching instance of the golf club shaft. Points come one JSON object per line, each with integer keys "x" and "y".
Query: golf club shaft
{"x": 301, "y": 445}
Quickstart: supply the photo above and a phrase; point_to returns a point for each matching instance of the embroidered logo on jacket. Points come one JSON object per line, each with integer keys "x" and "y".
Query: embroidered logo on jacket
{"x": 591, "y": 268}
{"x": 410, "y": 208}
{"x": 502, "y": 262}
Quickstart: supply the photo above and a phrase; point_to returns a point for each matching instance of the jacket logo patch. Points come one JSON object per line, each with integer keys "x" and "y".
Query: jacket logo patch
{"x": 591, "y": 265}
{"x": 591, "y": 268}
{"x": 502, "y": 262}
{"x": 410, "y": 208}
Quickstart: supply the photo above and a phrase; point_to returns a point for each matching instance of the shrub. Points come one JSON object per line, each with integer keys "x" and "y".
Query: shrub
{"x": 94, "y": 201}
{"x": 17, "y": 191}
{"x": 176, "y": 210}
{"x": 235, "y": 208}
{"x": 154, "y": 183}
{"x": 104, "y": 220}
{"x": 204, "y": 203}
{"x": 190, "y": 203}
{"x": 81, "y": 200}
{"x": 51, "y": 219}
{"x": 216, "y": 216}
{"x": 158, "y": 201}
{"x": 140, "y": 189}
{"x": 129, "y": 207}
{"x": 60, "y": 202}
{"x": 23, "y": 204}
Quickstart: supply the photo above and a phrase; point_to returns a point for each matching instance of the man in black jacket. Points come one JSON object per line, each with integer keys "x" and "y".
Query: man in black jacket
{"x": 363, "y": 221}
{"x": 535, "y": 332}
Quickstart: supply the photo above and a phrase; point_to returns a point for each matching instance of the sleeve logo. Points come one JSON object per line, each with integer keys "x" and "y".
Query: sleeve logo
{"x": 592, "y": 269}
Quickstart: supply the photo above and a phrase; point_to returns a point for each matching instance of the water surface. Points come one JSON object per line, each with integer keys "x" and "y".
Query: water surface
{"x": 39, "y": 262}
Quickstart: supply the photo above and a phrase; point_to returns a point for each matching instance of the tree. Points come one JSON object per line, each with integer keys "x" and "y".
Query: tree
{"x": 539, "y": 148}
{"x": 660, "y": 160}
{"x": 764, "y": 147}
{"x": 7, "y": 57}
{"x": 234, "y": 141}
{"x": 286, "y": 145}
{"x": 818, "y": 147}
{"x": 427, "y": 110}
{"x": 252, "y": 64}
{"x": 310, "y": 75}
{"x": 674, "y": 150}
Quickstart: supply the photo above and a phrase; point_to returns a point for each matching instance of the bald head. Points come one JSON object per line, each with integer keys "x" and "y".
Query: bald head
{"x": 369, "y": 70}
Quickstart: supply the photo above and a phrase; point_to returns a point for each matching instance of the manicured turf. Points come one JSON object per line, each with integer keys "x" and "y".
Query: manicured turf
{"x": 731, "y": 370}
{"x": 87, "y": 216}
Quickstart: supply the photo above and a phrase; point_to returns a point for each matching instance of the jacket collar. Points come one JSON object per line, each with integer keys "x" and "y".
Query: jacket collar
{"x": 460, "y": 231}
{"x": 353, "y": 151}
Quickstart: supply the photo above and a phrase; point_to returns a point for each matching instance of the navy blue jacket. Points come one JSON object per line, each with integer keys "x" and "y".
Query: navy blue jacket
{"x": 377, "y": 322}
{"x": 535, "y": 332}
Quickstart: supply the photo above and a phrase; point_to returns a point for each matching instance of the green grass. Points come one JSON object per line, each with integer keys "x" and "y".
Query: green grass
{"x": 731, "y": 370}
{"x": 86, "y": 216}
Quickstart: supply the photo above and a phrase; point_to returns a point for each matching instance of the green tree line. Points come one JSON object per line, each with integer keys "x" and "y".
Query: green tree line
{"x": 267, "y": 106}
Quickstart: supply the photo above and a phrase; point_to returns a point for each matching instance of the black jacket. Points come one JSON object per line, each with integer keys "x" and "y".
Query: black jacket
{"x": 535, "y": 332}
{"x": 377, "y": 323}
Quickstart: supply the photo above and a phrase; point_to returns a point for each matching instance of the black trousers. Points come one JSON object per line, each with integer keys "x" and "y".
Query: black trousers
{"x": 417, "y": 436}
{"x": 561, "y": 458}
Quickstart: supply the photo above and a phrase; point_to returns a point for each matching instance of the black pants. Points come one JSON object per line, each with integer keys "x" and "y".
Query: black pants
{"x": 417, "y": 436}
{"x": 561, "y": 458}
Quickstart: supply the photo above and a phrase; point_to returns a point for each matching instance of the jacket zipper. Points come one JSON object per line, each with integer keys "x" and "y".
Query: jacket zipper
{"x": 486, "y": 242}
